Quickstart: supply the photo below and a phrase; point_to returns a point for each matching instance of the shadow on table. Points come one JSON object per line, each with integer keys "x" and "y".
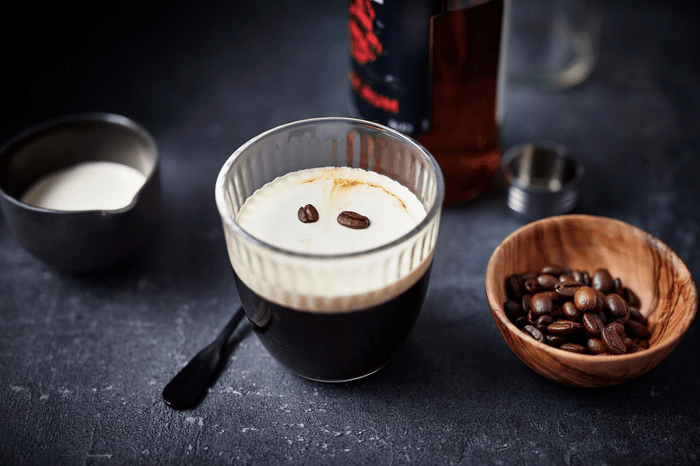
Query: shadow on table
{"x": 464, "y": 365}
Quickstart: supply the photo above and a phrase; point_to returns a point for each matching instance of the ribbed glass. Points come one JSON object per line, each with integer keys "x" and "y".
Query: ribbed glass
{"x": 338, "y": 282}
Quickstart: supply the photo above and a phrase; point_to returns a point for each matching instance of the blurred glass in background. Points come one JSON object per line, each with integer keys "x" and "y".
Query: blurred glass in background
{"x": 553, "y": 44}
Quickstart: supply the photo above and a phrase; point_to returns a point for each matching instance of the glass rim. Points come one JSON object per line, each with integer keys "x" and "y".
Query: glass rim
{"x": 240, "y": 232}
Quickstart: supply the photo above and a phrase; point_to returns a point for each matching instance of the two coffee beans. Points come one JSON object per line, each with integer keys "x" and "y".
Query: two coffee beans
{"x": 575, "y": 311}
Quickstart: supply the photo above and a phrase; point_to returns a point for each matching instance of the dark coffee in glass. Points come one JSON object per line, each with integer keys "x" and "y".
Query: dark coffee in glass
{"x": 342, "y": 309}
{"x": 357, "y": 343}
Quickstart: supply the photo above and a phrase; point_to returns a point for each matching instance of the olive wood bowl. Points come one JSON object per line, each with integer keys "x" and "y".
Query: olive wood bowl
{"x": 643, "y": 263}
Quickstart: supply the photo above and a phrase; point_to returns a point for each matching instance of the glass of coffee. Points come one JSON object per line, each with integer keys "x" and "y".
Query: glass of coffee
{"x": 330, "y": 227}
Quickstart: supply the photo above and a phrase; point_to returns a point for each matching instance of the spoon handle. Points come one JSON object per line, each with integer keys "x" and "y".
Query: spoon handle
{"x": 226, "y": 332}
{"x": 186, "y": 387}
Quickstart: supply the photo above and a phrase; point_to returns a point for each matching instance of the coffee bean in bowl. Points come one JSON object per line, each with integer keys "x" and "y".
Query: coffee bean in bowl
{"x": 609, "y": 257}
{"x": 577, "y": 317}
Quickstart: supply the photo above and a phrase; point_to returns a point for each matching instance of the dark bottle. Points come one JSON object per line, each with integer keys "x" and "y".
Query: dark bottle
{"x": 433, "y": 69}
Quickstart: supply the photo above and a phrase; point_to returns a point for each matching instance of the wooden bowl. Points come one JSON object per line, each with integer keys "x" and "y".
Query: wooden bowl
{"x": 643, "y": 263}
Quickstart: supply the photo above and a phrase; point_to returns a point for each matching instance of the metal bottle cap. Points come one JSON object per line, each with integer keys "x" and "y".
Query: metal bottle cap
{"x": 542, "y": 179}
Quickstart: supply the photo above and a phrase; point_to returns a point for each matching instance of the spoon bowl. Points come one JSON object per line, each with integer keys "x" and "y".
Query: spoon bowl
{"x": 187, "y": 386}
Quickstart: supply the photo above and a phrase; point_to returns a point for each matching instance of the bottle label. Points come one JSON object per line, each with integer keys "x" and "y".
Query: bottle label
{"x": 390, "y": 61}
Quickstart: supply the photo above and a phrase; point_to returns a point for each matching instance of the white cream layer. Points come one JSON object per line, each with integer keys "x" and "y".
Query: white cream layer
{"x": 97, "y": 185}
{"x": 270, "y": 214}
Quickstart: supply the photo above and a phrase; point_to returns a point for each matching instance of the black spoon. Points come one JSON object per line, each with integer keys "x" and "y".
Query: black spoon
{"x": 188, "y": 384}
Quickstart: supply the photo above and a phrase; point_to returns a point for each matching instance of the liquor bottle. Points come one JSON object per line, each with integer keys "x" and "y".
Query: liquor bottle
{"x": 434, "y": 70}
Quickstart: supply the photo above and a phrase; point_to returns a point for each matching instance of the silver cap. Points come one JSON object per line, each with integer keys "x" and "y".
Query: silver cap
{"x": 542, "y": 179}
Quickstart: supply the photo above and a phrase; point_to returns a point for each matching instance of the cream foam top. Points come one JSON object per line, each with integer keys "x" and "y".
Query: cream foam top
{"x": 270, "y": 214}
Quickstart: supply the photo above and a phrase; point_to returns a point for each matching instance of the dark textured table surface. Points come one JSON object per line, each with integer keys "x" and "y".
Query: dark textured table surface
{"x": 84, "y": 358}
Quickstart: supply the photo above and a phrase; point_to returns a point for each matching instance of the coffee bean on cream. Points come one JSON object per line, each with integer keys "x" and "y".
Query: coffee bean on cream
{"x": 272, "y": 214}
{"x": 307, "y": 214}
{"x": 353, "y": 220}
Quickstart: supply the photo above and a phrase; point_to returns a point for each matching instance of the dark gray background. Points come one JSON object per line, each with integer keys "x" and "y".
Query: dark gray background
{"x": 83, "y": 358}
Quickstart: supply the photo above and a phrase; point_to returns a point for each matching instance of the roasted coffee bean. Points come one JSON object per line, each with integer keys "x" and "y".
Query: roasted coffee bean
{"x": 571, "y": 312}
{"x": 353, "y": 220}
{"x": 553, "y": 295}
{"x": 554, "y": 340}
{"x": 563, "y": 327}
{"x": 307, "y": 214}
{"x": 514, "y": 287}
{"x": 543, "y": 322}
{"x": 557, "y": 311}
{"x": 596, "y": 346}
{"x": 600, "y": 301}
{"x": 619, "y": 328}
{"x": 635, "y": 314}
{"x": 512, "y": 310}
{"x": 617, "y": 307}
{"x": 532, "y": 317}
{"x": 637, "y": 329}
{"x": 624, "y": 319}
{"x": 602, "y": 280}
{"x": 582, "y": 277}
{"x": 541, "y": 304}
{"x": 586, "y": 278}
{"x": 573, "y": 347}
{"x": 534, "y": 333}
{"x": 546, "y": 281}
{"x": 532, "y": 286}
{"x": 631, "y": 298}
{"x": 618, "y": 288}
{"x": 592, "y": 324}
{"x": 566, "y": 290}
{"x": 585, "y": 299}
{"x": 612, "y": 341}
{"x": 568, "y": 279}
{"x": 554, "y": 270}
{"x": 521, "y": 322}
